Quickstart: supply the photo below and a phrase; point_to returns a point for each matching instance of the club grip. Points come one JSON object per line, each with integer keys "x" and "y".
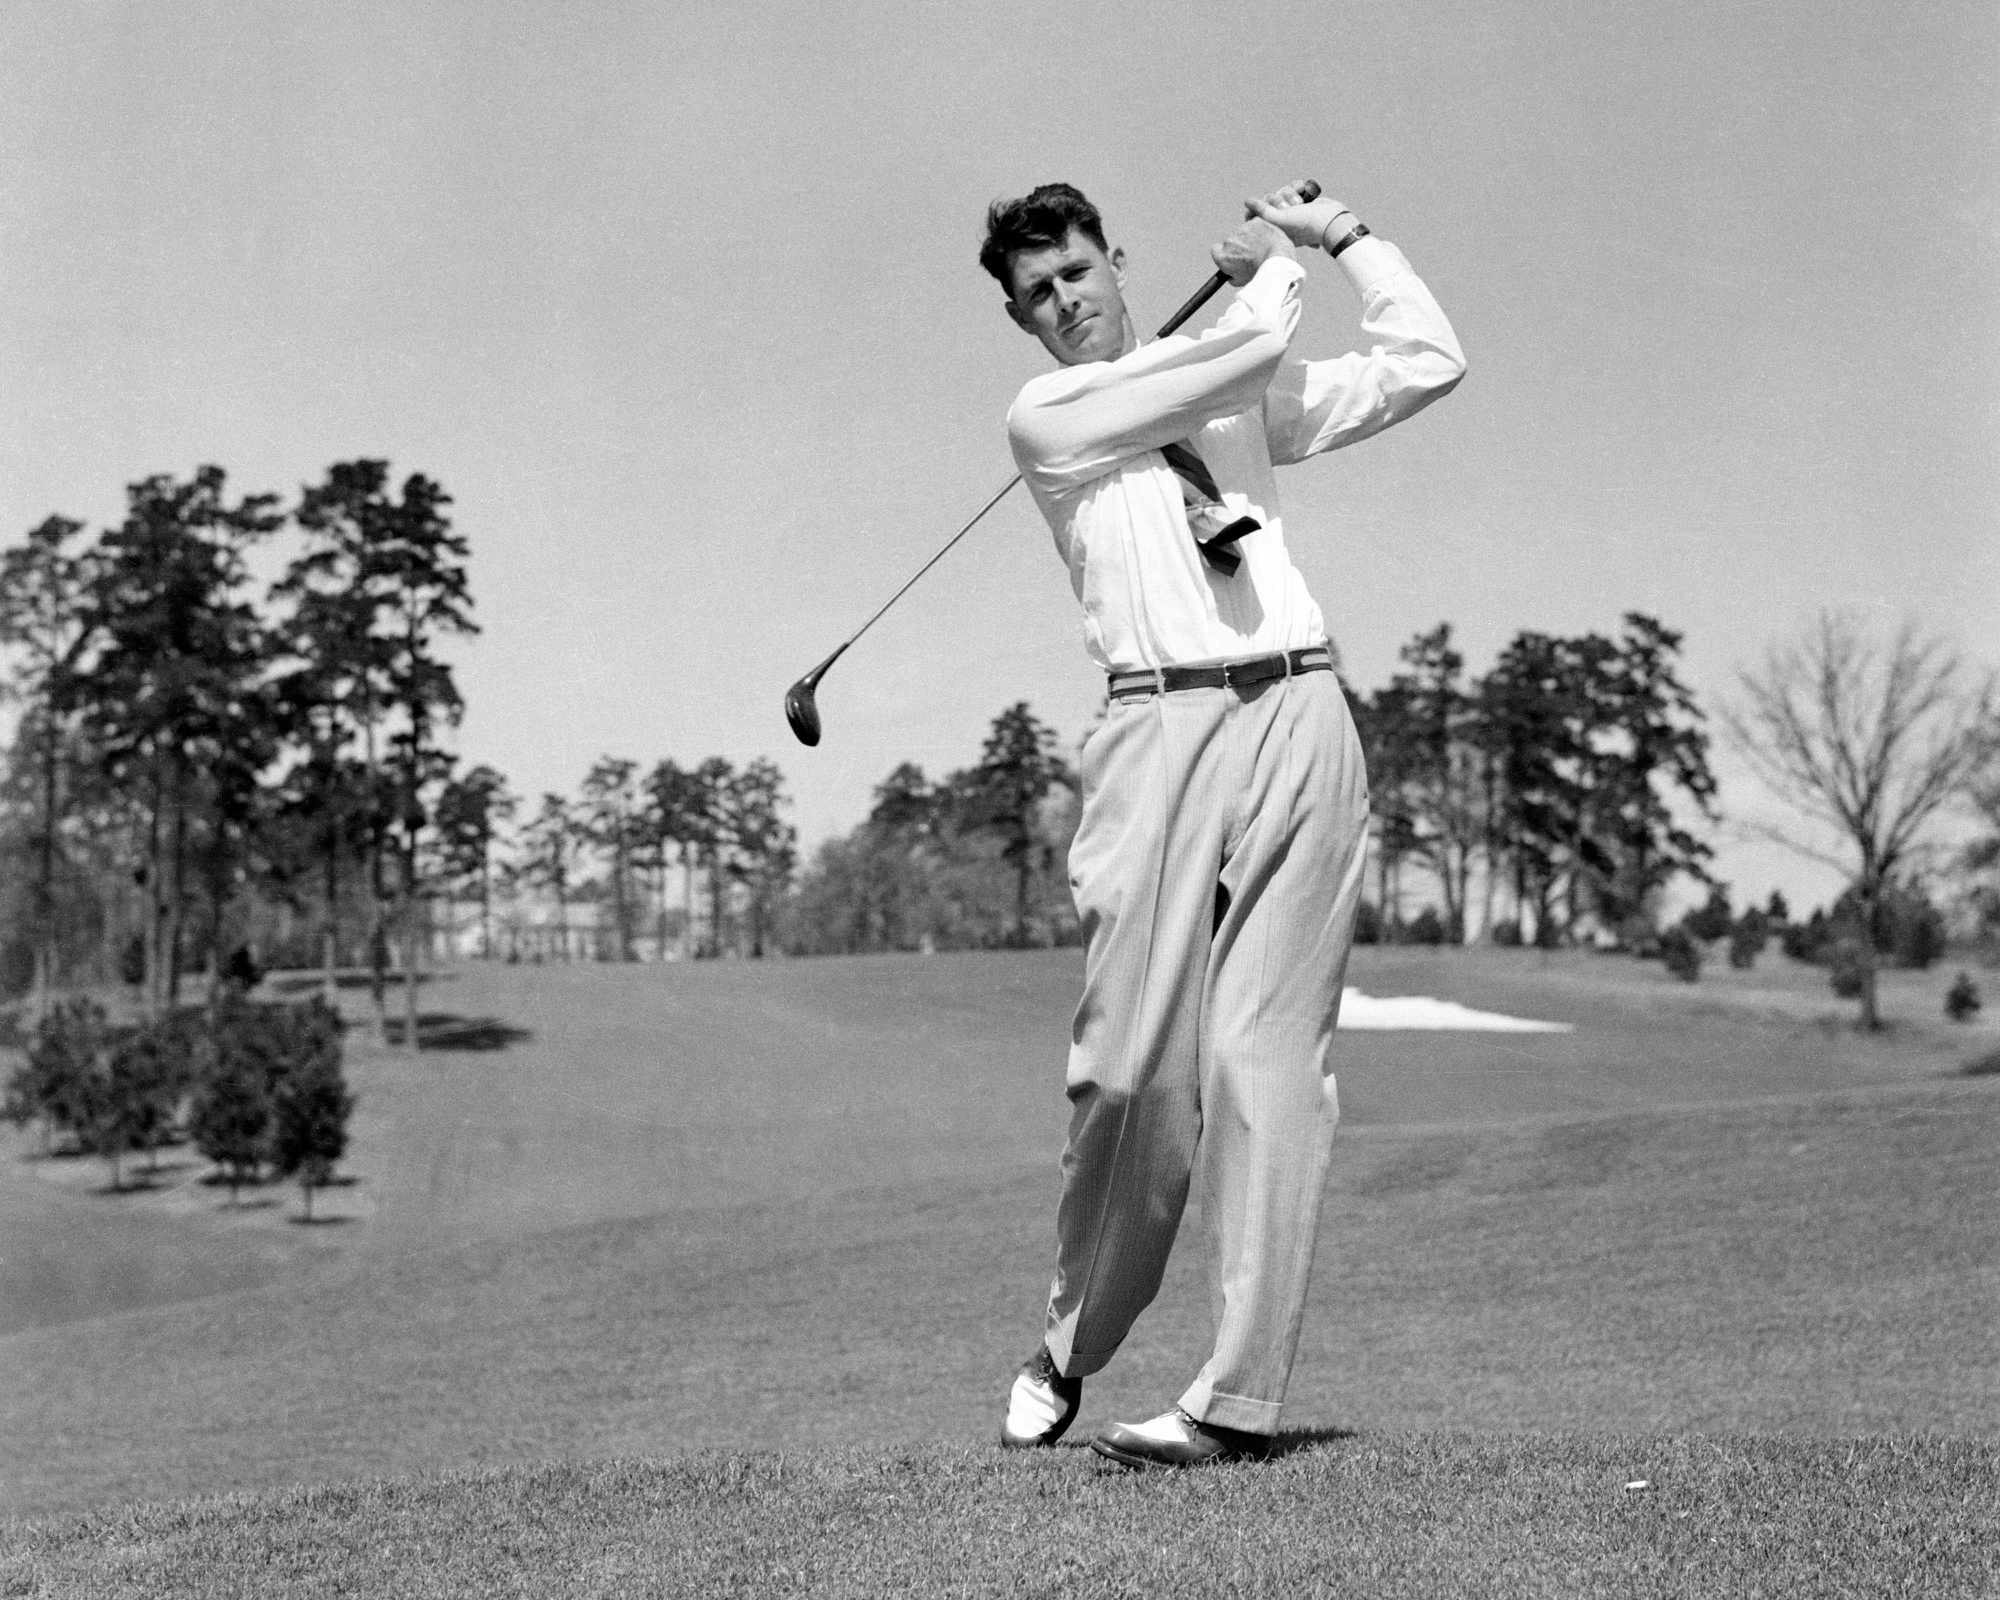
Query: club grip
{"x": 1308, "y": 192}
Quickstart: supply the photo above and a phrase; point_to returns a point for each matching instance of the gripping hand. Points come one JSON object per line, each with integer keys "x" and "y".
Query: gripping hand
{"x": 1239, "y": 256}
{"x": 1303, "y": 222}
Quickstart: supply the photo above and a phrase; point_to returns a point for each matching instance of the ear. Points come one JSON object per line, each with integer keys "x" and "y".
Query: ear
{"x": 1117, "y": 260}
{"x": 1019, "y": 317}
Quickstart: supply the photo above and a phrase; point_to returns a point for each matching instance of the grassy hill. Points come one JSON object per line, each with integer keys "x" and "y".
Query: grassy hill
{"x": 652, "y": 1215}
{"x": 1393, "y": 1515}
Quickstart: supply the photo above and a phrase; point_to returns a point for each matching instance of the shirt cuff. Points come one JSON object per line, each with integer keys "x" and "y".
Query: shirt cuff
{"x": 1274, "y": 278}
{"x": 1369, "y": 262}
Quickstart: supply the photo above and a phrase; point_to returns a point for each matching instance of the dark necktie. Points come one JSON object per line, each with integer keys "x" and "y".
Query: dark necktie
{"x": 1213, "y": 537}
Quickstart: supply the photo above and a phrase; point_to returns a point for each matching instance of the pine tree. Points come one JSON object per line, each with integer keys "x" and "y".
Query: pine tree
{"x": 167, "y": 676}
{"x": 312, "y": 1102}
{"x": 707, "y": 820}
{"x": 470, "y": 811}
{"x": 1651, "y": 767}
{"x": 230, "y": 1116}
{"x": 42, "y": 585}
{"x": 763, "y": 846}
{"x": 382, "y": 583}
{"x": 1003, "y": 795}
{"x": 608, "y": 821}
{"x": 548, "y": 857}
{"x": 1434, "y": 767}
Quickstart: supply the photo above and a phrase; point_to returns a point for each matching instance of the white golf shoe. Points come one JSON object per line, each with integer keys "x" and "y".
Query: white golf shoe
{"x": 1041, "y": 1405}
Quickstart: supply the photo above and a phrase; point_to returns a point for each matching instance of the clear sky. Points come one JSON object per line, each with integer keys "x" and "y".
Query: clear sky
{"x": 681, "y": 304}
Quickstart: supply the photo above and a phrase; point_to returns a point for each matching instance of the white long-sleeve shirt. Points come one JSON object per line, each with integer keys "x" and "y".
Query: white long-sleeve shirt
{"x": 1087, "y": 441}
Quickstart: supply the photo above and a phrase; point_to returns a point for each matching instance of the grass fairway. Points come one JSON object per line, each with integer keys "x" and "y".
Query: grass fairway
{"x": 738, "y": 1258}
{"x": 1398, "y": 1515}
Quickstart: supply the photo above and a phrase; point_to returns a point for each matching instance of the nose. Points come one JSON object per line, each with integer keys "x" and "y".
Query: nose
{"x": 1067, "y": 299}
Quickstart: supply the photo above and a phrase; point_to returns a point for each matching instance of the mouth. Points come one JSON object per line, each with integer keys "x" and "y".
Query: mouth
{"x": 1075, "y": 330}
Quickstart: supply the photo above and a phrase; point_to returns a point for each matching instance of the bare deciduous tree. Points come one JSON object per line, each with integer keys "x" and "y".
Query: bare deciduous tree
{"x": 1864, "y": 735}
{"x": 1980, "y": 859}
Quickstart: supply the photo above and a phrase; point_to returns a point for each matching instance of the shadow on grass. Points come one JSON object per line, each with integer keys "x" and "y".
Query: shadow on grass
{"x": 166, "y": 1170}
{"x": 1291, "y": 1442}
{"x": 1985, "y": 1066}
{"x": 1288, "y": 1442}
{"x": 299, "y": 982}
{"x": 216, "y": 1179}
{"x": 131, "y": 1183}
{"x": 447, "y": 1030}
{"x": 299, "y": 1221}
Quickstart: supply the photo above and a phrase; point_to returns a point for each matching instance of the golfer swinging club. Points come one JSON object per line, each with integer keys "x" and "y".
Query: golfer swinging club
{"x": 1218, "y": 863}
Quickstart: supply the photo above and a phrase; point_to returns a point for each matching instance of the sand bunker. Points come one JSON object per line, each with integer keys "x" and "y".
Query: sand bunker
{"x": 1358, "y": 1010}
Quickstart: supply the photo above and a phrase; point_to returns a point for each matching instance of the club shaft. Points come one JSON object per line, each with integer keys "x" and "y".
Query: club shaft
{"x": 1194, "y": 303}
{"x": 943, "y": 550}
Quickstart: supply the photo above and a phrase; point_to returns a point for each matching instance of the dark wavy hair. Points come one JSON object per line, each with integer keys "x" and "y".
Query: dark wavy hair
{"x": 1036, "y": 221}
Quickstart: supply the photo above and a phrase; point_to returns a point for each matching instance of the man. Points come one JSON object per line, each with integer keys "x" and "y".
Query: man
{"x": 1217, "y": 866}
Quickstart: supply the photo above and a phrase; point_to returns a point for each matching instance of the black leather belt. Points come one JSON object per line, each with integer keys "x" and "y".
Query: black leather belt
{"x": 1221, "y": 674}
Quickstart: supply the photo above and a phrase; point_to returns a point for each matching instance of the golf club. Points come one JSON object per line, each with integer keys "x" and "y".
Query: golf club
{"x": 801, "y": 702}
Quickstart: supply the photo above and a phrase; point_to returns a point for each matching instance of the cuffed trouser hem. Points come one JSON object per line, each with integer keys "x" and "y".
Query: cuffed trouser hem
{"x": 1235, "y": 1411}
{"x": 1073, "y": 1363}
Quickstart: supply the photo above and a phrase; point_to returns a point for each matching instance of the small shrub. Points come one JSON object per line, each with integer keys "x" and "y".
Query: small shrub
{"x": 1427, "y": 927}
{"x": 1367, "y": 924}
{"x": 1745, "y": 946}
{"x": 230, "y": 1120}
{"x": 1907, "y": 930}
{"x": 1681, "y": 951}
{"x": 1634, "y": 931}
{"x": 262, "y": 1097}
{"x": 241, "y": 972}
{"x": 54, "y": 1082}
{"x": 309, "y": 1132}
{"x": 147, "y": 1075}
{"x": 1961, "y": 1000}
{"x": 1714, "y": 919}
{"x": 1807, "y": 941}
{"x": 1847, "y": 970}
{"x": 1507, "y": 935}
{"x": 1922, "y": 940}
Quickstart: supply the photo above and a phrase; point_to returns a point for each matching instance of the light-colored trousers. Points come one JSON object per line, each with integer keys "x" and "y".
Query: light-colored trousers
{"x": 1217, "y": 869}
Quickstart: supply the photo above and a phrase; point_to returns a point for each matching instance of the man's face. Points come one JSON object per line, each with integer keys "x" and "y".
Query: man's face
{"x": 1071, "y": 296}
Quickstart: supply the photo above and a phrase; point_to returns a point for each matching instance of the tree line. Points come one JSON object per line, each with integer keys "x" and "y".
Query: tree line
{"x": 702, "y": 860}
{"x": 672, "y": 860}
{"x": 975, "y": 860}
{"x": 1560, "y": 788}
{"x": 204, "y": 765}
{"x": 193, "y": 746}
{"x": 1557, "y": 798}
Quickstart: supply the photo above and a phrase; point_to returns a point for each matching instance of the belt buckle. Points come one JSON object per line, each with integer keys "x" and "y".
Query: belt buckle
{"x": 1235, "y": 673}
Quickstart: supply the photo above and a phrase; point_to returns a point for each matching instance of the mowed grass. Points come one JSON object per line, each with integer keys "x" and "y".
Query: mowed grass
{"x": 1396, "y": 1515}
{"x": 787, "y": 1228}
{"x": 632, "y": 1092}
